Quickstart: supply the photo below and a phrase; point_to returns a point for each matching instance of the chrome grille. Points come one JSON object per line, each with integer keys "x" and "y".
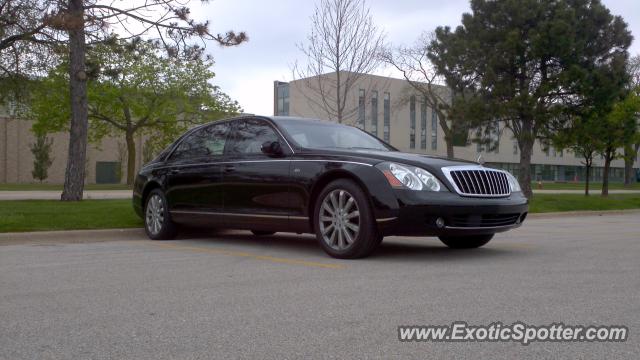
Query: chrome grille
{"x": 478, "y": 181}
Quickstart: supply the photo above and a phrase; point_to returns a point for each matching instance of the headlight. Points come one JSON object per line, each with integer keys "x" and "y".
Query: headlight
{"x": 513, "y": 182}
{"x": 410, "y": 177}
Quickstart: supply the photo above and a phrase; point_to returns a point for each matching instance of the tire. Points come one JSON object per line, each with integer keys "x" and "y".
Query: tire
{"x": 466, "y": 242}
{"x": 357, "y": 235}
{"x": 157, "y": 219}
{"x": 262, "y": 233}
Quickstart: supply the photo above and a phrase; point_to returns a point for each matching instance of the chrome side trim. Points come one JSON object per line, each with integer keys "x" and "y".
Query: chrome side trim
{"x": 447, "y": 173}
{"x": 298, "y": 218}
{"x": 260, "y": 161}
{"x": 386, "y": 219}
{"x": 193, "y": 212}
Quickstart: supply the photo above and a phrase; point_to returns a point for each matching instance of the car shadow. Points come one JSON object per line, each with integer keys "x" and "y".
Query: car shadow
{"x": 392, "y": 248}
{"x": 430, "y": 249}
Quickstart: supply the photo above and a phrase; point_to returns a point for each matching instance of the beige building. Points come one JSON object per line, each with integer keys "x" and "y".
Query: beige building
{"x": 106, "y": 162}
{"x": 389, "y": 109}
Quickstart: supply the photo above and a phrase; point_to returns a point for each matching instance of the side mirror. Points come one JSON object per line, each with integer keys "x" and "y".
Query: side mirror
{"x": 271, "y": 148}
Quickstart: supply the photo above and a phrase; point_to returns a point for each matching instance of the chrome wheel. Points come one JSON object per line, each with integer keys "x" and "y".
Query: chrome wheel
{"x": 339, "y": 219}
{"x": 155, "y": 214}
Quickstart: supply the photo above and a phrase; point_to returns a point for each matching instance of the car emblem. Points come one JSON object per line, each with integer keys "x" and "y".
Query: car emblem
{"x": 480, "y": 160}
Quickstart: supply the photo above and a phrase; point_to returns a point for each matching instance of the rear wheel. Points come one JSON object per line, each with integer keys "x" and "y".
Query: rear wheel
{"x": 466, "y": 242}
{"x": 262, "y": 233}
{"x": 157, "y": 219}
{"x": 344, "y": 223}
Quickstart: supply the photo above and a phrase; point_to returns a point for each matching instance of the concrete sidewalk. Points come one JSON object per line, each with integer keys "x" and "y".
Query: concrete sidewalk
{"x": 55, "y": 194}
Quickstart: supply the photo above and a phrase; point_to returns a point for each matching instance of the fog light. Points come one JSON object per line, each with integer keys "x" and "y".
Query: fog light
{"x": 524, "y": 216}
{"x": 440, "y": 222}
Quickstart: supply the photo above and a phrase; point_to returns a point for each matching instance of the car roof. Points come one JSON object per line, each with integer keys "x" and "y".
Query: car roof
{"x": 274, "y": 119}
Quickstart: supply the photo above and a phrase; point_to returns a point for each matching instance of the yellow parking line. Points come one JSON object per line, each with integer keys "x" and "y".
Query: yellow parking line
{"x": 249, "y": 255}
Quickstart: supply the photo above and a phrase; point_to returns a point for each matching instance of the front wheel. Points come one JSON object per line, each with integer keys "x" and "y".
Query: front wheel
{"x": 157, "y": 219}
{"x": 466, "y": 242}
{"x": 344, "y": 223}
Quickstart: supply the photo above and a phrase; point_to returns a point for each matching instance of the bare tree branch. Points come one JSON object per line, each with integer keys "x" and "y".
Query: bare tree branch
{"x": 344, "y": 43}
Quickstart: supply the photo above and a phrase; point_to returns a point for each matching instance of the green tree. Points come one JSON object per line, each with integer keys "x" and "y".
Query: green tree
{"x": 631, "y": 150}
{"x": 134, "y": 89}
{"x": 581, "y": 136}
{"x": 618, "y": 131}
{"x": 530, "y": 61}
{"x": 41, "y": 150}
{"x": 28, "y": 24}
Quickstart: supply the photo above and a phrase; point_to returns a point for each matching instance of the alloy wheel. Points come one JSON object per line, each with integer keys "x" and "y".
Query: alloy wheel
{"x": 339, "y": 219}
{"x": 155, "y": 214}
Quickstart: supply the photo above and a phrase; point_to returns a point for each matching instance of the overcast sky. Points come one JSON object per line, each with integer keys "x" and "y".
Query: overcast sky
{"x": 274, "y": 27}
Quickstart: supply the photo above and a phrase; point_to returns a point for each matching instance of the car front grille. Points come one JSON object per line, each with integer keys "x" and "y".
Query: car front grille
{"x": 484, "y": 220}
{"x": 478, "y": 181}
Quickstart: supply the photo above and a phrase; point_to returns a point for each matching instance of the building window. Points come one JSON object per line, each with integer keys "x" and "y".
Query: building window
{"x": 374, "y": 113}
{"x": 412, "y": 122}
{"x": 423, "y": 124}
{"x": 361, "y": 109}
{"x": 387, "y": 117}
{"x": 434, "y": 130}
{"x": 515, "y": 147}
{"x": 282, "y": 99}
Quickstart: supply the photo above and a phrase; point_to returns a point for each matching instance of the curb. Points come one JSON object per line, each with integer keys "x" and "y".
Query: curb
{"x": 72, "y": 236}
{"x": 137, "y": 234}
{"x": 581, "y": 213}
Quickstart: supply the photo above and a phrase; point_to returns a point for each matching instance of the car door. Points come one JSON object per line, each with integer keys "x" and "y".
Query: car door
{"x": 194, "y": 175}
{"x": 256, "y": 185}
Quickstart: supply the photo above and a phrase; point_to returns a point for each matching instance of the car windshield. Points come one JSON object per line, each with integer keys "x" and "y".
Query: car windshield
{"x": 327, "y": 135}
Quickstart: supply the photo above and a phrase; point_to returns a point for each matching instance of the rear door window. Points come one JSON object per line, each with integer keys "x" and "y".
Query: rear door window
{"x": 204, "y": 143}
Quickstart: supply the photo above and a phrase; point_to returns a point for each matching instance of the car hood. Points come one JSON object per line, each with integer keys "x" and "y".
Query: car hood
{"x": 428, "y": 162}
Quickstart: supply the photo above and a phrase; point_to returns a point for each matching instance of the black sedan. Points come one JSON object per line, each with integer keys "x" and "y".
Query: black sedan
{"x": 268, "y": 174}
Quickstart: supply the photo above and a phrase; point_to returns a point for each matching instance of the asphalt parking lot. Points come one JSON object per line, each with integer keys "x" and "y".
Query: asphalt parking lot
{"x": 233, "y": 295}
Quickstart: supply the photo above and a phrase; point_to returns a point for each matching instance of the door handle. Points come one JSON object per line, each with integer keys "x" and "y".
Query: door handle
{"x": 174, "y": 171}
{"x": 229, "y": 168}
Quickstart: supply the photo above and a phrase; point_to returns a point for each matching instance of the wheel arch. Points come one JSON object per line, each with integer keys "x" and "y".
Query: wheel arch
{"x": 151, "y": 185}
{"x": 325, "y": 180}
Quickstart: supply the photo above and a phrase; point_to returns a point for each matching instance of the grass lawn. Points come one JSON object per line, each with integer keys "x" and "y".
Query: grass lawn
{"x": 575, "y": 202}
{"x": 36, "y": 186}
{"x": 39, "y": 215}
{"x": 596, "y": 187}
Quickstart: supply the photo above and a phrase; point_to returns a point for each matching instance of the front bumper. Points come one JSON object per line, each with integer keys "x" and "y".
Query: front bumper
{"x": 418, "y": 214}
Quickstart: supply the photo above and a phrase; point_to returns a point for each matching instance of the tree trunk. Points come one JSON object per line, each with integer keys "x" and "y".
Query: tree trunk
{"x": 629, "y": 159}
{"x": 131, "y": 158}
{"x": 75, "y": 172}
{"x": 338, "y": 96}
{"x": 526, "y": 149}
{"x": 449, "y": 148}
{"x": 605, "y": 176}
{"x": 586, "y": 181}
